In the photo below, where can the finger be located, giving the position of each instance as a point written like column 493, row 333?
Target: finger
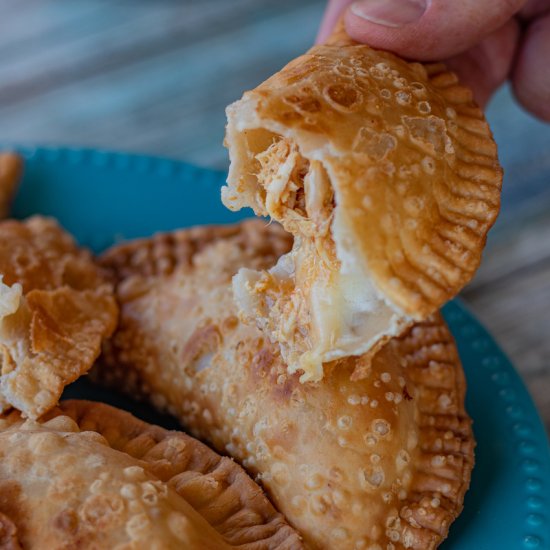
column 531, row 77
column 334, row 9
column 427, row 29
column 487, row 65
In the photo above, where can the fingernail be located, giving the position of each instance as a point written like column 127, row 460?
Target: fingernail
column 390, row 13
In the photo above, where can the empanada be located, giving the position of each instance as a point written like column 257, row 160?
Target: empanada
column 91, row 476
column 382, row 462
column 386, row 173
column 11, row 168
column 56, row 307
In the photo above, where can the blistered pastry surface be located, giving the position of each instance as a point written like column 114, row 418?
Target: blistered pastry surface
column 118, row 480
column 383, row 460
column 410, row 156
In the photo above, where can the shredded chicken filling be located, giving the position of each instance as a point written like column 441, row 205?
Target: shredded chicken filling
column 297, row 191
column 319, row 305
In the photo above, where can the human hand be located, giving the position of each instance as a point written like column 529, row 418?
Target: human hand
column 486, row 42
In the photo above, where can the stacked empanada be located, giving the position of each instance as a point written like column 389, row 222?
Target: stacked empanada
column 91, row 476
column 380, row 460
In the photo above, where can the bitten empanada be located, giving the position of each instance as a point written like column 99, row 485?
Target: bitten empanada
column 11, row 168
column 113, row 481
column 56, row 307
column 381, row 462
column 386, row 173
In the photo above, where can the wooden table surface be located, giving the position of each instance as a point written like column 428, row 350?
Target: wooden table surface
column 154, row 77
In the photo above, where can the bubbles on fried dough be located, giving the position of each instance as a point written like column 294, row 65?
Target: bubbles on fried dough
column 414, row 205
column 399, row 82
column 402, row 460
column 403, row 98
column 344, row 422
column 428, row 165
column 280, row 473
column 314, row 481
column 418, row 89
column 354, row 399
column 371, row 478
column 424, row 107
column 381, row 427
column 373, row 143
column 343, row 97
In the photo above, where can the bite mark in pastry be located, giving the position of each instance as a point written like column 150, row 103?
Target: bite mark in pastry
column 56, row 307
column 112, row 481
column 384, row 460
column 11, row 168
column 387, row 175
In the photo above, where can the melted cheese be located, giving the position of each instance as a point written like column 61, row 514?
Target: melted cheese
column 278, row 163
column 316, row 313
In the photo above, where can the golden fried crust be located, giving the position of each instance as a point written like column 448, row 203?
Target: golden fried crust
column 216, row 487
column 96, row 496
column 383, row 460
column 56, row 307
column 410, row 157
column 11, row 168
column 161, row 254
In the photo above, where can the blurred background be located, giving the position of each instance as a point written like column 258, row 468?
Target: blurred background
column 155, row 77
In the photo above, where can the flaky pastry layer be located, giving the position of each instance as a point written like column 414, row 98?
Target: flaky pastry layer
column 113, row 481
column 384, row 460
column 386, row 173
column 56, row 307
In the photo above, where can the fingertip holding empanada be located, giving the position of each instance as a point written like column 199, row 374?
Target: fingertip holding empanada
column 113, row 481
column 56, row 308
column 386, row 173
column 11, row 169
column 380, row 461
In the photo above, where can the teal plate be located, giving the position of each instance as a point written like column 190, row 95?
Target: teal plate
column 105, row 197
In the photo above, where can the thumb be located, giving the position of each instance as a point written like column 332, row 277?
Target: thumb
column 426, row 30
